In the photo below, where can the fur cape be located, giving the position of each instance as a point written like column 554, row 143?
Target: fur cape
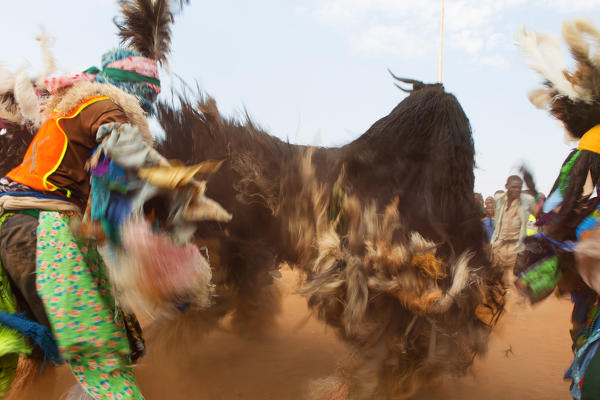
column 69, row 98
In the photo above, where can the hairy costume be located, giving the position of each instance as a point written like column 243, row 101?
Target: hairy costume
column 76, row 278
column 565, row 254
column 384, row 232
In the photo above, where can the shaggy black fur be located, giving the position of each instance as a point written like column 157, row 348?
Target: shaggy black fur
column 421, row 153
column 578, row 116
column 13, row 145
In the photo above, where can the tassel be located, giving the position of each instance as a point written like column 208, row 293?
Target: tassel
column 40, row 335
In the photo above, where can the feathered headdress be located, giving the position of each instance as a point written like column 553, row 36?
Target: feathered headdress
column 146, row 26
column 573, row 97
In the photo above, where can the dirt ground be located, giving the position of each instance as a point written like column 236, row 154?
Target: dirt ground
column 527, row 357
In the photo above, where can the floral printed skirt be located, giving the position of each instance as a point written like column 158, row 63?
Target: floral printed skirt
column 89, row 330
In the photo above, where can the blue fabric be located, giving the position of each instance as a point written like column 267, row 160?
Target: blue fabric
column 99, row 197
column 566, row 245
column 143, row 92
column 488, row 226
column 35, row 194
column 553, row 201
column 119, row 209
column 109, row 202
column 8, row 185
column 34, row 331
column 589, row 223
column 117, row 178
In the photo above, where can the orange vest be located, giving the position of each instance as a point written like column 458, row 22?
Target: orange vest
column 46, row 153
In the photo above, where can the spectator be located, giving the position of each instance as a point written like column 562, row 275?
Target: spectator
column 512, row 214
column 479, row 200
column 489, row 221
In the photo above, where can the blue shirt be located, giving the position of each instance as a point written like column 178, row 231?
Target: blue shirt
column 488, row 226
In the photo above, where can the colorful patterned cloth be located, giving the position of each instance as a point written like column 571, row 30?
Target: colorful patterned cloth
column 588, row 224
column 8, row 185
column 91, row 334
column 578, row 371
column 123, row 68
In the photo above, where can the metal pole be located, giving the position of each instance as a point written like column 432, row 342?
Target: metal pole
column 441, row 43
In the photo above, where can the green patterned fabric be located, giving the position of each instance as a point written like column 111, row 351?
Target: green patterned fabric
column 12, row 342
column 565, row 172
column 540, row 280
column 89, row 330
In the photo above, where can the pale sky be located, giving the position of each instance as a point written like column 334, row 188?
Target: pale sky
column 315, row 71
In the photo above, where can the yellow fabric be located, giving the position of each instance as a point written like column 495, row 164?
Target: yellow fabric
column 198, row 207
column 591, row 140
column 531, row 228
column 201, row 208
column 177, row 176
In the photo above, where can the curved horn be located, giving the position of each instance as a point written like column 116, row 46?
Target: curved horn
column 416, row 84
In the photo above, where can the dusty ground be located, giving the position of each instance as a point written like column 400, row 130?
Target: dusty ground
column 526, row 360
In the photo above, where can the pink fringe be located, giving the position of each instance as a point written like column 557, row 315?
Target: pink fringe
column 159, row 270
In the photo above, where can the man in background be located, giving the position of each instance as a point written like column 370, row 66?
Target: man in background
column 512, row 214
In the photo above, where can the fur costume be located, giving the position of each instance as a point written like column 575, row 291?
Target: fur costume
column 384, row 231
column 565, row 253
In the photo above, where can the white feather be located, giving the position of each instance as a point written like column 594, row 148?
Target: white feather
column 7, row 79
column 546, row 58
column 26, row 97
column 540, row 98
column 48, row 61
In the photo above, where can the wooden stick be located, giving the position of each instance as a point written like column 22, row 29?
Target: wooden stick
column 441, row 43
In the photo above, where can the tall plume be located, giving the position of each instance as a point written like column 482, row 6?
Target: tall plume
column 578, row 84
column 146, row 26
column 547, row 59
column 48, row 60
column 26, row 98
column 587, row 72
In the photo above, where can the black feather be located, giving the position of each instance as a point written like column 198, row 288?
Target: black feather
column 146, row 26
column 528, row 179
